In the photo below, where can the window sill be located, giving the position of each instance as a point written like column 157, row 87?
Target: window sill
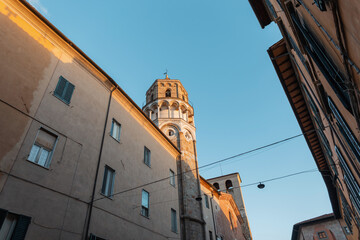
column 108, row 197
column 115, row 138
column 36, row 164
column 147, row 217
column 149, row 166
column 61, row 99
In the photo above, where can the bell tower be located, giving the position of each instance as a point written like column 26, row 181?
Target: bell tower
column 167, row 105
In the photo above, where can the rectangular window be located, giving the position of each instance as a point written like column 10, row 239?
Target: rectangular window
column 13, row 226
column 42, row 150
column 115, row 130
column 108, row 182
column 64, row 90
column 271, row 9
column 147, row 156
column 172, row 178
column 210, row 235
column 346, row 213
column 345, row 130
column 173, row 221
column 323, row 61
column 352, row 185
column 206, row 201
column 145, row 203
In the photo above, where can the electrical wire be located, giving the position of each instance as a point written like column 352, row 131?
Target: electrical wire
column 211, row 164
column 246, row 185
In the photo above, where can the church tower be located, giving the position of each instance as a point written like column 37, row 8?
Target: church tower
column 167, row 105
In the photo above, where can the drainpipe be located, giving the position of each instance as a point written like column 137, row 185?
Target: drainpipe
column 97, row 168
column 212, row 213
column 198, row 184
column 181, row 191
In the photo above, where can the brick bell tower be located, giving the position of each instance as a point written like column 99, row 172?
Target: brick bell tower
column 167, row 105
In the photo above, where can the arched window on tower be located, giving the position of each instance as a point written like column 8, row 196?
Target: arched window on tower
column 152, row 97
column 168, row 93
column 229, row 185
column 216, row 185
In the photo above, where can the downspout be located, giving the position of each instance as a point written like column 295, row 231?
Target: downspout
column 198, row 185
column 181, row 191
column 97, row 168
column 212, row 213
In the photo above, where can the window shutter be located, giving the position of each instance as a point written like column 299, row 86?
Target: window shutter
column 60, row 87
column 21, row 228
column 69, row 91
column 3, row 214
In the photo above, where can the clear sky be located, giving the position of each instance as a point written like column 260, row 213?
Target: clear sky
column 218, row 51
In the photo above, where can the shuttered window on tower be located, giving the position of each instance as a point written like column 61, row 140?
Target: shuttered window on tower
column 64, row 90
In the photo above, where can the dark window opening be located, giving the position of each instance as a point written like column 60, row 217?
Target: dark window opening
column 168, row 93
column 322, row 235
column 229, row 185
column 216, row 185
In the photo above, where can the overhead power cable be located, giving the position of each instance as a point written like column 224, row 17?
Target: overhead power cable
column 242, row 186
column 213, row 163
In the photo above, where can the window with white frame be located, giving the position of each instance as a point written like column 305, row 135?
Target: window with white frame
column 13, row 226
column 172, row 178
column 173, row 221
column 147, row 156
column 115, row 130
column 43, row 148
column 145, row 203
column 108, row 182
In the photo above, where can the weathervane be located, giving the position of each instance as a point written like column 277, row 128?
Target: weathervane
column 166, row 74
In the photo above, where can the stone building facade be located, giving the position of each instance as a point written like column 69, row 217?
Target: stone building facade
column 221, row 214
column 167, row 104
column 230, row 184
column 318, row 64
column 322, row 227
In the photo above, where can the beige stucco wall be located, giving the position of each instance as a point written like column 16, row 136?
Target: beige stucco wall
column 32, row 59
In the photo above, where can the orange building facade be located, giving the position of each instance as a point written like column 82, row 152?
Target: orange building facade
column 317, row 62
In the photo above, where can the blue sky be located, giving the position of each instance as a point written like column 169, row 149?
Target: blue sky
column 218, row 51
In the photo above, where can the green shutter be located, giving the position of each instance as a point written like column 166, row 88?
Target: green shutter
column 3, row 214
column 21, row 228
column 68, row 92
column 59, row 91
